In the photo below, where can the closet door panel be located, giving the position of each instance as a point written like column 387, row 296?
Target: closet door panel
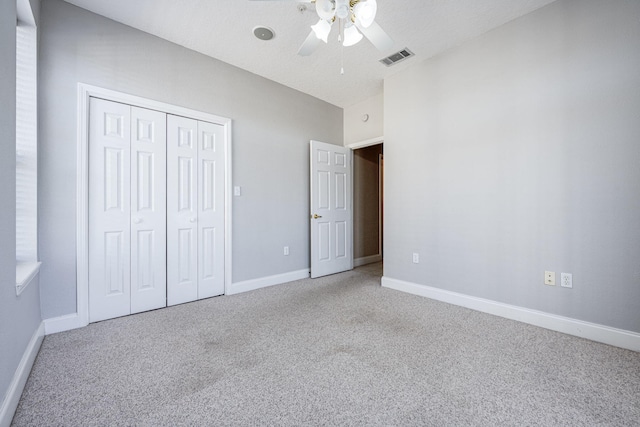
column 182, row 210
column 109, row 209
column 148, row 210
column 211, row 210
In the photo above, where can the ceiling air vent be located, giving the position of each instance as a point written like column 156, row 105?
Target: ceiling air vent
column 397, row 57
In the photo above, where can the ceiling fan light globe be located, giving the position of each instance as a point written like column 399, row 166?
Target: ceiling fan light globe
column 365, row 12
column 351, row 36
column 322, row 30
column 325, row 9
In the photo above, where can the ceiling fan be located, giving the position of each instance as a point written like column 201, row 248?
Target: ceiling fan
column 354, row 18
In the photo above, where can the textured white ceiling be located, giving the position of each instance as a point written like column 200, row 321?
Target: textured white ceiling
column 223, row 29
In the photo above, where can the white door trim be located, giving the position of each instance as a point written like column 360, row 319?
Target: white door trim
column 82, row 179
column 366, row 143
column 380, row 202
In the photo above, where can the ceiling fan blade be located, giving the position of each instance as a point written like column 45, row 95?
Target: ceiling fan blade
column 376, row 36
column 310, row 45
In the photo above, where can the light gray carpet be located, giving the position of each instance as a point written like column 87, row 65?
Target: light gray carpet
column 340, row 350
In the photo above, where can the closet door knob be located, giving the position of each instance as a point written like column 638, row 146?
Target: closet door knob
column 192, row 220
column 137, row 220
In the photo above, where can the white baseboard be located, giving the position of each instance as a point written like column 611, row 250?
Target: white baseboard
column 592, row 331
column 73, row 321
column 357, row 262
column 19, row 380
column 263, row 282
column 63, row 323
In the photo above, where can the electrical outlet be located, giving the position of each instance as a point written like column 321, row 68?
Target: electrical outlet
column 550, row 278
column 286, row 250
column 416, row 258
column 566, row 280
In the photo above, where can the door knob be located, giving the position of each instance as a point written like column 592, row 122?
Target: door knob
column 316, row 216
column 192, row 220
column 137, row 220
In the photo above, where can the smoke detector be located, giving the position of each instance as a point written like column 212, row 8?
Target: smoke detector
column 264, row 33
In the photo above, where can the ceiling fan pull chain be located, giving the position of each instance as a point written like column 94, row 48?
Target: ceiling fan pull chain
column 341, row 59
column 340, row 39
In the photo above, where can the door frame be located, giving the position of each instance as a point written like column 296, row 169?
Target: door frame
column 367, row 143
column 85, row 92
column 380, row 202
column 363, row 144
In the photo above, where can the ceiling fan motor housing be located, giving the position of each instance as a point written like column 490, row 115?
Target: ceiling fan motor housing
column 342, row 9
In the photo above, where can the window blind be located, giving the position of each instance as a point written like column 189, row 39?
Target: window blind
column 26, row 144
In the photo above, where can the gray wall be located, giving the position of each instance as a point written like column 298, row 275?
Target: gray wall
column 19, row 316
column 356, row 130
column 519, row 152
column 366, row 213
column 271, row 131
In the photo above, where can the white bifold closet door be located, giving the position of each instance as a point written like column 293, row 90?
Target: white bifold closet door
column 195, row 209
column 127, row 209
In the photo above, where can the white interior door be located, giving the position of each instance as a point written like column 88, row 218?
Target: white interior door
column 155, row 209
column 148, row 210
column 127, row 210
column 195, row 209
column 210, row 210
column 109, row 210
column 331, row 209
column 182, row 210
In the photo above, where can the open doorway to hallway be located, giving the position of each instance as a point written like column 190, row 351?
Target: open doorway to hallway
column 368, row 198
